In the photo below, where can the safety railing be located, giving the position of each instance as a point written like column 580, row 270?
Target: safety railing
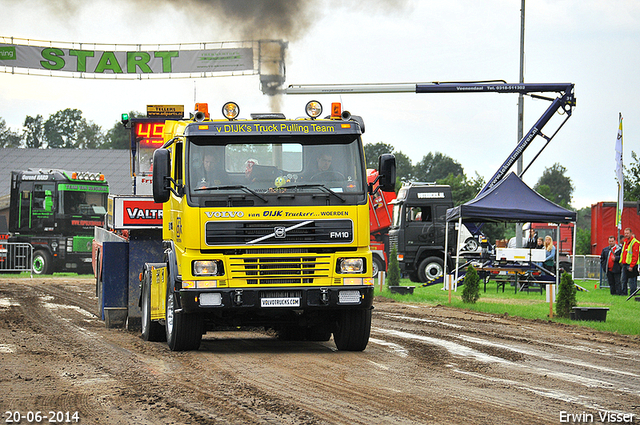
column 16, row 257
column 587, row 267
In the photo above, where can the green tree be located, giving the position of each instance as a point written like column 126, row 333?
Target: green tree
column 90, row 136
column 393, row 269
column 33, row 131
column 583, row 242
column 632, row 179
column 62, row 129
column 119, row 137
column 372, row 152
column 566, row 296
column 404, row 168
column 433, row 167
column 462, row 189
column 8, row 137
column 471, row 290
column 560, row 187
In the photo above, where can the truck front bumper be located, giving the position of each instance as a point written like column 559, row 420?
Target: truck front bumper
column 270, row 299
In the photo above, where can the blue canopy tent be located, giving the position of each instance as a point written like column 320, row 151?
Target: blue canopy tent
column 510, row 201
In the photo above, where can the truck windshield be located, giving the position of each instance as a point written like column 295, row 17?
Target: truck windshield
column 83, row 203
column 272, row 166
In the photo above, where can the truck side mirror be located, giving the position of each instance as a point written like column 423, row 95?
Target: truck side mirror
column 387, row 172
column 161, row 175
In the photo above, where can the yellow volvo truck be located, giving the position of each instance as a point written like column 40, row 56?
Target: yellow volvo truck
column 265, row 224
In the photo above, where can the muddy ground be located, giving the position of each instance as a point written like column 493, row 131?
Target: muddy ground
column 422, row 365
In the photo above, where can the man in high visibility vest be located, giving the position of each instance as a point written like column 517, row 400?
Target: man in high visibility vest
column 629, row 263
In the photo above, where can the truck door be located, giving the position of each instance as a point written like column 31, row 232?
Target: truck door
column 42, row 210
column 419, row 225
column 24, row 206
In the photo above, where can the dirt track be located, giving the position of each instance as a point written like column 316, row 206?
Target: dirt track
column 422, row 365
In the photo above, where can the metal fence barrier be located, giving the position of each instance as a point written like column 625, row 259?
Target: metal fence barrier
column 587, row 267
column 16, row 257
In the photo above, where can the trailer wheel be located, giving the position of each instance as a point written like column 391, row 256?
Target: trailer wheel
column 470, row 245
column 183, row 331
column 376, row 266
column 353, row 329
column 151, row 331
column 41, row 262
column 431, row 268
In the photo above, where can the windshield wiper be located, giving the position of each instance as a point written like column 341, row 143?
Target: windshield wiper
column 321, row 186
column 235, row 186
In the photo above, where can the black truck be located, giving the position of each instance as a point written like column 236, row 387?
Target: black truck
column 418, row 230
column 56, row 211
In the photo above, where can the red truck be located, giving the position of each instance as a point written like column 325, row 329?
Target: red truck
column 603, row 223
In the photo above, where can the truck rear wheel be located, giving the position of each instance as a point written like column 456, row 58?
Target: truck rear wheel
column 41, row 262
column 353, row 329
column 184, row 331
column 151, row 331
column 431, row 268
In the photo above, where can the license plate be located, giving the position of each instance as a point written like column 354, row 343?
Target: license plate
column 280, row 302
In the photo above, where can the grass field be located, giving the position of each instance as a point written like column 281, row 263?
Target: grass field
column 623, row 316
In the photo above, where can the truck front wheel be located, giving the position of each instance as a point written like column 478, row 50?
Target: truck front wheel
column 431, row 268
column 377, row 266
column 41, row 263
column 184, row 331
column 353, row 329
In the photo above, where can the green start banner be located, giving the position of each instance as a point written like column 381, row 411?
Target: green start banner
column 118, row 62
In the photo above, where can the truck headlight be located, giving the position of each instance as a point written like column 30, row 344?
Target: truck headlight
column 207, row 268
column 351, row 265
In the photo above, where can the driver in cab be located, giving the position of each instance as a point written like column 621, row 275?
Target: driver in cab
column 321, row 168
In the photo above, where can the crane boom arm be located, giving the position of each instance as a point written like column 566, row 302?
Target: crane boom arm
column 564, row 102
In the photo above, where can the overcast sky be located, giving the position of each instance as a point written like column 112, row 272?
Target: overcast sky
column 592, row 43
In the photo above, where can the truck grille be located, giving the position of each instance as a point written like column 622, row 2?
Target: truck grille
column 393, row 241
column 278, row 232
column 279, row 271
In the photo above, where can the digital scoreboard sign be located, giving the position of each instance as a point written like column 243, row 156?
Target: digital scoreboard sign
column 148, row 134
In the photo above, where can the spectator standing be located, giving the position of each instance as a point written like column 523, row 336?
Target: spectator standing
column 629, row 263
column 610, row 264
column 550, row 260
column 532, row 242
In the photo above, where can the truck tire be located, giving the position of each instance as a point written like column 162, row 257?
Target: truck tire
column 183, row 331
column 41, row 264
column 376, row 266
column 151, row 331
column 353, row 329
column 431, row 268
column 470, row 245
